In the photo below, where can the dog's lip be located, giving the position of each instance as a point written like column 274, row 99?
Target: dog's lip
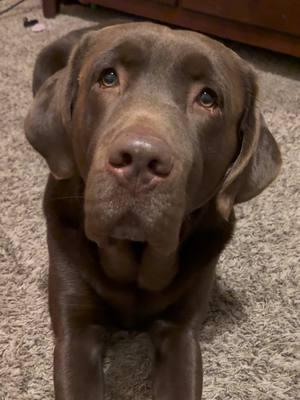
column 128, row 227
column 127, row 232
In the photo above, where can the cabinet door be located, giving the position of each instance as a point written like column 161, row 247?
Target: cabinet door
column 279, row 15
column 169, row 2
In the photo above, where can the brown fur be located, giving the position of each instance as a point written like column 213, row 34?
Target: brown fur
column 160, row 281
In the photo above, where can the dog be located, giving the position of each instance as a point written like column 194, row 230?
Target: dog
column 151, row 135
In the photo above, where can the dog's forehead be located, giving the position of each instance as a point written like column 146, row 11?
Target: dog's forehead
column 154, row 39
column 167, row 53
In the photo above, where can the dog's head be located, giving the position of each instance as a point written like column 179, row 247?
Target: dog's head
column 157, row 122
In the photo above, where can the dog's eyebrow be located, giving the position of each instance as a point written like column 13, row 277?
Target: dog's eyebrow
column 128, row 53
column 197, row 65
column 131, row 51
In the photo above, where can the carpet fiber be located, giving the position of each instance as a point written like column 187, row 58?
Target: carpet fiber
column 249, row 340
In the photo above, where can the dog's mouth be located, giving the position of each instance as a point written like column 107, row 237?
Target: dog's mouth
column 129, row 228
column 136, row 263
column 128, row 233
column 135, row 248
column 128, row 255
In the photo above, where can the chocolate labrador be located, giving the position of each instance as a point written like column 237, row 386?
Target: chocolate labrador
column 151, row 136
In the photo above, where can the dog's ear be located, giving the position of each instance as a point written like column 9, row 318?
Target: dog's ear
column 48, row 123
column 258, row 161
column 46, row 131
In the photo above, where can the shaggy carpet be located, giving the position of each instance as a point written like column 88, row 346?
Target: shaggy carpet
column 250, row 337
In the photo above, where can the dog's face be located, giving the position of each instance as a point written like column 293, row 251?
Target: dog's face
column 157, row 122
column 155, row 128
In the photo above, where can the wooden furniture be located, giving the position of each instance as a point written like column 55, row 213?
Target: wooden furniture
column 272, row 24
column 50, row 8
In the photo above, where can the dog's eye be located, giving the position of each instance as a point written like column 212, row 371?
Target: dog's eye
column 109, row 78
column 207, row 98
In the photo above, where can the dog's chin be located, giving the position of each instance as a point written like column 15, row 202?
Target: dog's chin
column 129, row 233
column 127, row 228
column 131, row 229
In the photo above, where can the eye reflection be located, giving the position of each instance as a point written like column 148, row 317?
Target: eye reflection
column 207, row 98
column 109, row 78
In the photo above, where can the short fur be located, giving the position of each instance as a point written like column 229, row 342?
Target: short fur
column 161, row 281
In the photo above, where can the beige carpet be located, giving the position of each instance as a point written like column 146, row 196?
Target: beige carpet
column 249, row 341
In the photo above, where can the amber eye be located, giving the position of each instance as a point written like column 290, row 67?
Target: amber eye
column 109, row 78
column 207, row 98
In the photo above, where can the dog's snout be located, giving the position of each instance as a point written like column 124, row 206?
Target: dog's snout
column 139, row 162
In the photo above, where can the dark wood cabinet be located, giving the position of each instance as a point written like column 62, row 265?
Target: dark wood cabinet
column 278, row 15
column 272, row 24
column 169, row 2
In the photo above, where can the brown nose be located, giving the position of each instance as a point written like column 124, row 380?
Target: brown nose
column 140, row 162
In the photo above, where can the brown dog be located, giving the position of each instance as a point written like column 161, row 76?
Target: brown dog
column 151, row 136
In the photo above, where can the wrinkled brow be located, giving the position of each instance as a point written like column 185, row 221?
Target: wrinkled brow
column 197, row 66
column 129, row 54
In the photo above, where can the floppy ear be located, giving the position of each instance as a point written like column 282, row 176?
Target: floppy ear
column 258, row 161
column 46, row 132
column 48, row 123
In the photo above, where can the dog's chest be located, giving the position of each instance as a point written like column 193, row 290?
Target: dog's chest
column 134, row 308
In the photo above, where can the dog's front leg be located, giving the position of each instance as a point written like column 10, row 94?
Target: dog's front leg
column 78, row 373
column 77, row 315
column 177, row 373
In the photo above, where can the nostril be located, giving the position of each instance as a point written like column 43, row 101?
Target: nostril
column 120, row 159
column 159, row 168
column 126, row 159
column 153, row 166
